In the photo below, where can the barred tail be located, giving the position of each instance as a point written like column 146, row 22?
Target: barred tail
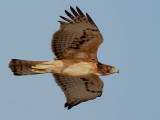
column 23, row 67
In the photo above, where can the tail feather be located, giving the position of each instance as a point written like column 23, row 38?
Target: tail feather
column 23, row 67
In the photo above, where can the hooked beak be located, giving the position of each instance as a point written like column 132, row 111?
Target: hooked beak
column 114, row 70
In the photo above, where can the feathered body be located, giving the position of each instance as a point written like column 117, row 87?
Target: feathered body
column 70, row 67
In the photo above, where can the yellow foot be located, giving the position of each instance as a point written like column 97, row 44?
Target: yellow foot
column 38, row 69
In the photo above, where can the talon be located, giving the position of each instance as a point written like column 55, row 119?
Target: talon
column 38, row 71
column 36, row 67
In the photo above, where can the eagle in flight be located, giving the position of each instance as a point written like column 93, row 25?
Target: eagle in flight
column 75, row 67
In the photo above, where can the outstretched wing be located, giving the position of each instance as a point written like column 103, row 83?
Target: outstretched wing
column 79, row 89
column 77, row 38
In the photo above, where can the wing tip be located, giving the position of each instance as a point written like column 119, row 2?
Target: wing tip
column 71, row 7
column 69, row 106
column 77, row 16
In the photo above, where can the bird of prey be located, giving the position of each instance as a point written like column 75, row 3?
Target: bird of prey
column 75, row 67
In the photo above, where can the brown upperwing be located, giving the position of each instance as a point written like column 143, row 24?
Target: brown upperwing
column 77, row 38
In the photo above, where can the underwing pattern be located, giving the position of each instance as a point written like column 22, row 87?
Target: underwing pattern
column 79, row 89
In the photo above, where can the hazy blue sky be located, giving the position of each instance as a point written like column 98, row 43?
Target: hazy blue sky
column 131, row 31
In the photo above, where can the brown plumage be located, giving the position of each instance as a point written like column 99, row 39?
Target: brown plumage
column 76, row 68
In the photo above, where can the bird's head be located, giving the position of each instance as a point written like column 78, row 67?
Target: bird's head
column 106, row 69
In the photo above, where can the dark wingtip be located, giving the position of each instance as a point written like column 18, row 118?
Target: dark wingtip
column 66, row 104
column 66, row 12
column 75, row 13
column 61, row 17
column 80, row 12
column 90, row 19
column 69, row 106
column 77, row 7
column 66, row 19
column 71, row 7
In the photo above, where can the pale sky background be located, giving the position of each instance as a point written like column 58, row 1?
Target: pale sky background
column 131, row 31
